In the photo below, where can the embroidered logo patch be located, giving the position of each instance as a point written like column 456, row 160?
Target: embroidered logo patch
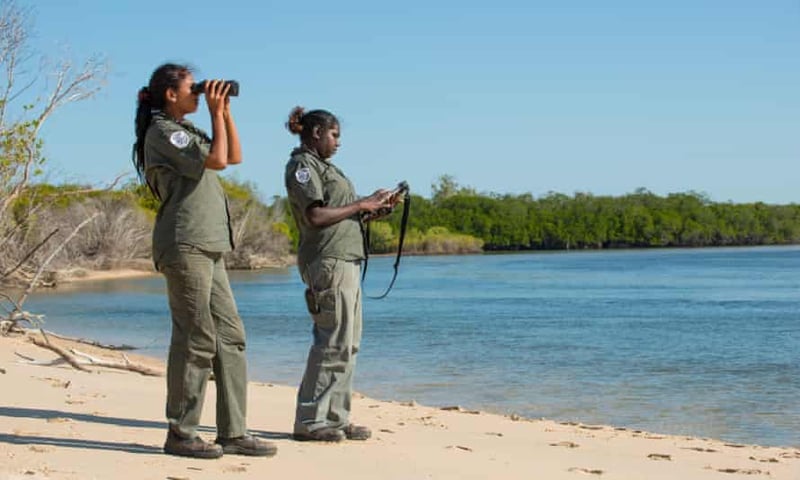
column 303, row 175
column 180, row 139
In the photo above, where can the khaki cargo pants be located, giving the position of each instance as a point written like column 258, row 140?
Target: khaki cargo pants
column 207, row 335
column 334, row 301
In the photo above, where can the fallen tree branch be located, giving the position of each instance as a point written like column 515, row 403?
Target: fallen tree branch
column 79, row 359
column 39, row 363
column 128, row 365
column 30, row 359
column 60, row 351
column 93, row 343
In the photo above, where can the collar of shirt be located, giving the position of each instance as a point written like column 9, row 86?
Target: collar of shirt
column 304, row 149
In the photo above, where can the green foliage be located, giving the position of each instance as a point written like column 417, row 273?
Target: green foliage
column 381, row 237
column 281, row 209
column 238, row 190
column 144, row 198
column 384, row 238
column 585, row 221
column 53, row 196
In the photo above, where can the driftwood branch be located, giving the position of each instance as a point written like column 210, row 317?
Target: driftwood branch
column 25, row 357
column 60, row 351
column 79, row 360
column 40, row 363
column 93, row 343
column 127, row 365
column 16, row 315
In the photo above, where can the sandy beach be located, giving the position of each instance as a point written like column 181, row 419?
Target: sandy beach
column 60, row 423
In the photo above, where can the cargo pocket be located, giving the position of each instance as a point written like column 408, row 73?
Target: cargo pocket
column 322, row 306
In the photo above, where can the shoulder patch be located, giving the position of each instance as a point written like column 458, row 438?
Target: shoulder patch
column 303, row 175
column 180, row 139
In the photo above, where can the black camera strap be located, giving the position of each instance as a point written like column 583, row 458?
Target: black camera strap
column 365, row 236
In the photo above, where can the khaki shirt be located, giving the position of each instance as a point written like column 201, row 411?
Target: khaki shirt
column 194, row 209
column 310, row 180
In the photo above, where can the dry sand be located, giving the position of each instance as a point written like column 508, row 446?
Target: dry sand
column 60, row 423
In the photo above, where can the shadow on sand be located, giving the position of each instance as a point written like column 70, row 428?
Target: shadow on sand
column 23, row 412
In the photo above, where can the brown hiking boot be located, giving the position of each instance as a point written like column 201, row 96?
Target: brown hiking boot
column 190, row 447
column 357, row 432
column 247, row 445
column 324, row 434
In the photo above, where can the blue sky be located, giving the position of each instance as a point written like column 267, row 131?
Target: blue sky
column 506, row 96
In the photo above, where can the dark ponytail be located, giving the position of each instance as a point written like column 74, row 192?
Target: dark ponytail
column 302, row 123
column 152, row 98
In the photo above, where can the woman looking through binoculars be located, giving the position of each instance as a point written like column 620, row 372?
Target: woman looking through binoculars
column 178, row 162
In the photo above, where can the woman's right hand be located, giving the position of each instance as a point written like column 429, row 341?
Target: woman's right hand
column 216, row 92
column 378, row 199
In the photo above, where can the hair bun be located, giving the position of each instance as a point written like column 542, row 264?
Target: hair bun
column 295, row 122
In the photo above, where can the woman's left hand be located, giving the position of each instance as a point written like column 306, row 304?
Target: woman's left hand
column 217, row 97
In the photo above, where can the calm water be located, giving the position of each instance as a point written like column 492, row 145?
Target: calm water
column 697, row 342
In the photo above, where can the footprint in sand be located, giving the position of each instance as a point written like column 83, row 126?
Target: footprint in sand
column 460, row 447
column 765, row 460
column 58, row 420
column 701, row 449
column 567, row 444
column 743, row 471
column 55, row 382
column 592, row 427
column 458, row 408
column 659, row 456
column 587, row 471
column 234, row 469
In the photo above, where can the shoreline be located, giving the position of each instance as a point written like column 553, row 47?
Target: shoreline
column 60, row 423
column 144, row 268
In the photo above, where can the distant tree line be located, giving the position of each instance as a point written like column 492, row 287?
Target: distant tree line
column 585, row 221
column 453, row 220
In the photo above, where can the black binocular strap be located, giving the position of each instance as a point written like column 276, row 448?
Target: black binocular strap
column 365, row 236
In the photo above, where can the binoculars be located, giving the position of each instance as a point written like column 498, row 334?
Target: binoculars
column 200, row 87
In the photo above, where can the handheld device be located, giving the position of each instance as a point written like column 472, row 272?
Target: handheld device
column 401, row 189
